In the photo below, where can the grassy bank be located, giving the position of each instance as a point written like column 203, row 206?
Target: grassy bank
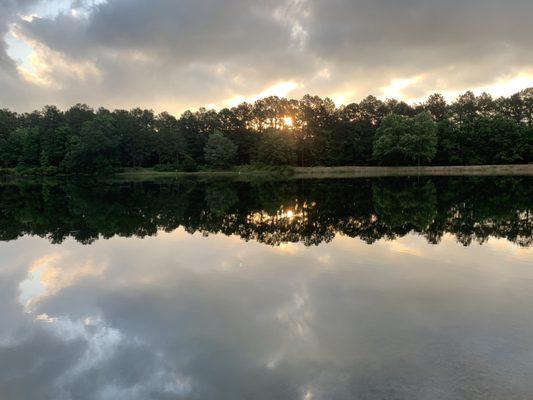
column 351, row 172
column 266, row 172
column 246, row 170
column 339, row 172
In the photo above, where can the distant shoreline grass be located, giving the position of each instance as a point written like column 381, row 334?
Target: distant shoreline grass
column 339, row 172
column 467, row 170
column 288, row 172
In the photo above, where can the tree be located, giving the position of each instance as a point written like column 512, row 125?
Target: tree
column 136, row 129
column 235, row 123
column 77, row 115
column 169, row 141
column 504, row 140
column 311, row 131
column 95, row 149
column 11, row 148
column 448, row 151
column 401, row 139
column 54, row 146
column 485, row 105
column 219, row 151
column 359, row 134
column 8, row 122
column 527, row 105
column 195, row 128
column 30, row 139
column 276, row 148
column 388, row 145
column 464, row 109
column 316, row 117
column 437, row 106
column 421, row 143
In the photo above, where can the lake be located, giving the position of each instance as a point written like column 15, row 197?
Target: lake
column 383, row 288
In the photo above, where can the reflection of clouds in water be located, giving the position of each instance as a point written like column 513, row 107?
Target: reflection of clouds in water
column 174, row 316
column 296, row 316
column 514, row 252
column 402, row 248
column 51, row 273
column 101, row 345
column 295, row 320
column 101, row 341
column 289, row 248
column 99, row 348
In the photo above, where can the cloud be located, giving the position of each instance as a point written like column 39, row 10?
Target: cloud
column 174, row 55
column 9, row 80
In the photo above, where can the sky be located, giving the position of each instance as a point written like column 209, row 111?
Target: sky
column 174, row 55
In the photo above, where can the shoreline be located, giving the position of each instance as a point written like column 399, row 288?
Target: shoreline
column 344, row 172
column 459, row 170
column 287, row 173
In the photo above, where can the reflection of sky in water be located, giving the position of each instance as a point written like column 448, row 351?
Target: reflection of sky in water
column 182, row 316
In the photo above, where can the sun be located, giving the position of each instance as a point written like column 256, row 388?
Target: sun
column 287, row 121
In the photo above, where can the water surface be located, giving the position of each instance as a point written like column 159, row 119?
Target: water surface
column 412, row 288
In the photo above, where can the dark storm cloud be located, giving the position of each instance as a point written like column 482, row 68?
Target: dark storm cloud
column 194, row 52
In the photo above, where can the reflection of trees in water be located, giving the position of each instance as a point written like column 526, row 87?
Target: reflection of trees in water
column 483, row 208
column 406, row 206
column 311, row 212
column 220, row 197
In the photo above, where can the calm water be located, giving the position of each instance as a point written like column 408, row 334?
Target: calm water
column 340, row 289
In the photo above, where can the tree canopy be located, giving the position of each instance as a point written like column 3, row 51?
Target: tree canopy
column 307, row 132
column 219, row 151
column 406, row 140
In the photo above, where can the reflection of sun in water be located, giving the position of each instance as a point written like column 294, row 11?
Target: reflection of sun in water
column 288, row 121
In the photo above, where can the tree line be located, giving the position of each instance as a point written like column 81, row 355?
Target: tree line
column 312, row 131
column 472, row 209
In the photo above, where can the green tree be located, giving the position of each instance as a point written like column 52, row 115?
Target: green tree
column 8, row 122
column 388, row 147
column 30, row 138
column 401, row 139
column 463, row 110
column 77, row 115
column 95, row 149
column 436, row 105
column 276, row 148
column 11, row 148
column 501, row 139
column 169, row 143
column 421, row 143
column 136, row 129
column 219, row 151
column 54, row 146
